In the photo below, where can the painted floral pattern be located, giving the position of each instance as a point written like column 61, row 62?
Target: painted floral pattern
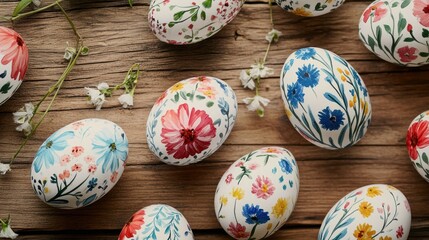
column 191, row 120
column 310, row 8
column 178, row 22
column 325, row 98
column 257, row 194
column 79, row 163
column 13, row 62
column 417, row 141
column 157, row 222
column 397, row 31
column 372, row 212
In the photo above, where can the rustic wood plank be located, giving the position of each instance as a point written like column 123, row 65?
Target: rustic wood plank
column 119, row 36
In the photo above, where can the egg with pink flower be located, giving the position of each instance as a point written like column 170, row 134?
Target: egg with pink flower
column 397, row 31
column 418, row 144
column 79, row 163
column 191, row 120
column 257, row 194
column 13, row 62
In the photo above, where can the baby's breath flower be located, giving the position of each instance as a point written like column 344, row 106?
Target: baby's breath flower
column 23, row 117
column 260, row 71
column 273, row 35
column 96, row 98
column 69, row 53
column 246, row 80
column 4, row 168
column 102, row 86
column 37, row 3
column 126, row 100
column 6, row 230
column 257, row 103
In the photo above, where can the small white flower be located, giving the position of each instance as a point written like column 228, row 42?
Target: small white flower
column 4, row 168
column 69, row 53
column 37, row 3
column 257, row 103
column 126, row 100
column 273, row 35
column 260, row 71
column 26, row 127
column 246, row 80
column 103, row 86
column 6, row 231
column 24, row 114
column 96, row 98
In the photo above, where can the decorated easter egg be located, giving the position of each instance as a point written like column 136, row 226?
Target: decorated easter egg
column 80, row 163
column 157, row 221
column 397, row 31
column 191, row 120
column 257, row 194
column 310, row 8
column 325, row 98
column 418, row 144
column 372, row 212
column 185, row 22
column 13, row 62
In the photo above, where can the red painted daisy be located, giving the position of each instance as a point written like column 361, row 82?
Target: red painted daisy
column 135, row 223
column 407, row 54
column 238, row 231
column 14, row 49
column 186, row 132
column 417, row 137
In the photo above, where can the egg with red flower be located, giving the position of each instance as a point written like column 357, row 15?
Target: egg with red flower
column 191, row 120
column 13, row 62
column 397, row 31
column 418, row 144
column 158, row 221
column 184, row 22
column 80, row 163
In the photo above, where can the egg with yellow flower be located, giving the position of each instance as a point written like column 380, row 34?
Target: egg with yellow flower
column 376, row 211
column 257, row 194
column 191, row 120
column 325, row 98
column 310, row 8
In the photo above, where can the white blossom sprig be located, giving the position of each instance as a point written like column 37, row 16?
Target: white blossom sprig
column 30, row 117
column 250, row 78
column 6, row 231
column 97, row 96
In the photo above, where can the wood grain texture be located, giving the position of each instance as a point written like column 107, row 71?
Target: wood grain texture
column 119, row 36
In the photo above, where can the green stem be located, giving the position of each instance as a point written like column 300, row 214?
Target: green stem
column 22, row 15
column 271, row 13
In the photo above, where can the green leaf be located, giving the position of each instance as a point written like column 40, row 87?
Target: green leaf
column 187, row 37
column 402, row 23
column 405, row 3
column 425, row 158
column 5, row 88
column 378, row 32
column 210, row 104
column 194, row 18
column 176, row 97
column 171, row 24
column 131, row 2
column 200, row 97
column 178, row 15
column 3, row 75
column 307, row 5
column 21, row 6
column 395, row 4
column 207, row 3
column 371, row 43
column 408, row 39
column 387, row 28
column 203, row 15
column 425, row 33
column 424, row 54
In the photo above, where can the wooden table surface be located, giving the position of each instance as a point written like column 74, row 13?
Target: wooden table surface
column 119, row 36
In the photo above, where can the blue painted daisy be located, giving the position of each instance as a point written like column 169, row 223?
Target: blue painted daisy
column 112, row 146
column 308, row 75
column 305, row 53
column 331, row 120
column 254, row 214
column 295, row 94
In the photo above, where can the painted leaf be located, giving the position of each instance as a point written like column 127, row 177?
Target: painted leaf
column 5, row 88
column 3, row 75
column 402, row 23
column 405, row 3
column 207, row 3
column 371, row 43
column 425, row 158
column 425, row 33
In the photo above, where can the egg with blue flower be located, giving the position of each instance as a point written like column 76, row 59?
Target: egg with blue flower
column 310, row 8
column 158, row 221
column 257, row 194
column 79, row 163
column 191, row 120
column 325, row 99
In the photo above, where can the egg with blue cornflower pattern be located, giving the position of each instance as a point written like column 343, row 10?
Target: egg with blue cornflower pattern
column 325, row 99
column 79, row 163
column 257, row 194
